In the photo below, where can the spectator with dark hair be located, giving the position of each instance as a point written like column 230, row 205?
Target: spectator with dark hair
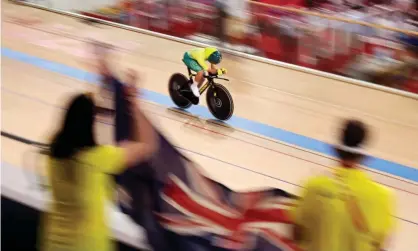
column 79, row 174
column 346, row 210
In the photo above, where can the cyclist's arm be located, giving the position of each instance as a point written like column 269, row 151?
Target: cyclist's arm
column 213, row 69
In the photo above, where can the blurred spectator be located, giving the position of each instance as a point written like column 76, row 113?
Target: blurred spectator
column 404, row 74
column 345, row 210
column 237, row 17
column 222, row 17
column 405, row 5
column 79, row 175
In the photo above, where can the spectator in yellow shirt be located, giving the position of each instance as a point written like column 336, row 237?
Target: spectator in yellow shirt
column 345, row 211
column 78, row 172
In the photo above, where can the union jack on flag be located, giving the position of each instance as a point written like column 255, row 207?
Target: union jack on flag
column 182, row 209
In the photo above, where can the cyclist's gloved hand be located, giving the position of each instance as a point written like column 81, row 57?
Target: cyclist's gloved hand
column 222, row 71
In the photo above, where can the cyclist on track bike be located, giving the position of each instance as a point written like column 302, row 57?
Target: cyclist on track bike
column 195, row 60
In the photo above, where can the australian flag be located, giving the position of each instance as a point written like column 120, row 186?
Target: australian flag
column 182, row 209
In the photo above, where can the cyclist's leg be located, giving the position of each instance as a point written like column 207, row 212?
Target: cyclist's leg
column 194, row 66
column 199, row 78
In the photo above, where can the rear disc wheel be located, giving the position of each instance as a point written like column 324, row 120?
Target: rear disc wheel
column 176, row 83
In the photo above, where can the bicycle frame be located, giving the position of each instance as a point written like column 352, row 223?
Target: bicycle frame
column 208, row 83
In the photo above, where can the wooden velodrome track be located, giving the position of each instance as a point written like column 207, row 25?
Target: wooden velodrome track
column 266, row 98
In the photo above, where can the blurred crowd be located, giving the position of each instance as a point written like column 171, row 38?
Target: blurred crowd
column 325, row 35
